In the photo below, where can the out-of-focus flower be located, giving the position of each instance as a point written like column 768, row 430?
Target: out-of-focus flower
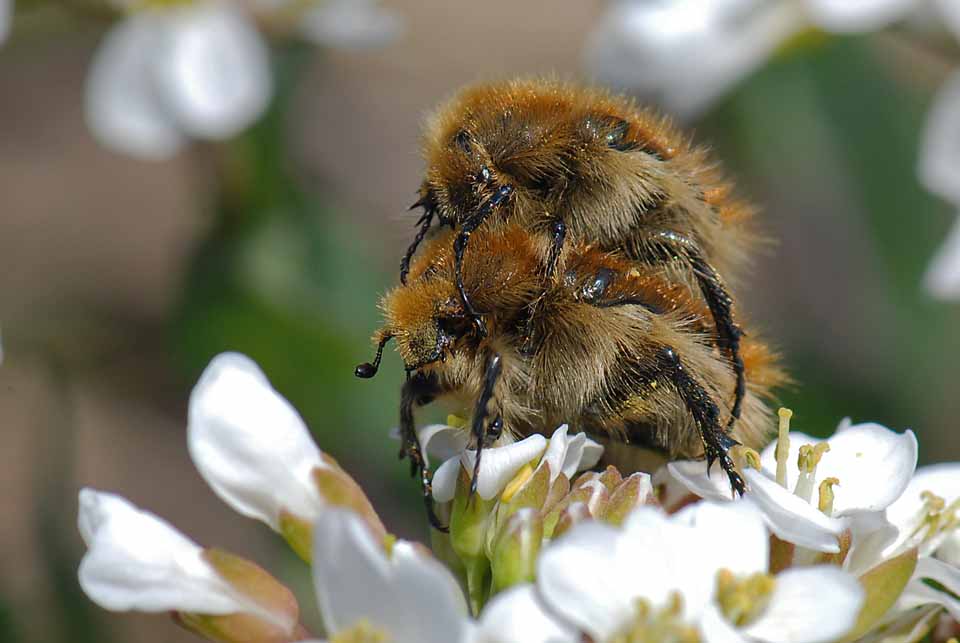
column 256, row 453
column 810, row 491
column 721, row 590
column 136, row 561
column 518, row 616
column 687, row 53
column 6, row 18
column 373, row 592
column 939, row 168
column 846, row 16
column 349, row 24
column 175, row 71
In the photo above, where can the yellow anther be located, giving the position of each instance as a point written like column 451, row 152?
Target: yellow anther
column 826, row 495
column 361, row 632
column 783, row 445
column 665, row 625
column 389, row 540
column 456, row 421
column 520, row 479
column 810, row 455
column 743, row 599
column 933, row 503
column 745, row 457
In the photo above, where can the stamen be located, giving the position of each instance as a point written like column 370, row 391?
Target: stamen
column 744, row 457
column 935, row 519
column 826, row 495
column 658, row 626
column 807, row 462
column 361, row 632
column 742, row 600
column 783, row 445
column 520, row 479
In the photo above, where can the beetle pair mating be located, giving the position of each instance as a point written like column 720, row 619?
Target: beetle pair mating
column 567, row 269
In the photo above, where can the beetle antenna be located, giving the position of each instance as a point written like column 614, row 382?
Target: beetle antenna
column 368, row 370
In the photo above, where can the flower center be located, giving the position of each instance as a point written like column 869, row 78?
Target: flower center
column 935, row 519
column 658, row 626
column 807, row 461
column 361, row 632
column 742, row 600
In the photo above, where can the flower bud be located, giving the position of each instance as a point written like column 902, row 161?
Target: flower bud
column 635, row 490
column 251, row 446
column 136, row 561
column 515, row 552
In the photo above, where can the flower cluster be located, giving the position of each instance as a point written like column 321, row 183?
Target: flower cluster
column 834, row 540
column 688, row 53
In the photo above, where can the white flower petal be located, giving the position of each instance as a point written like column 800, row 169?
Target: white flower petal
column 872, row 540
column 137, row 561
column 568, row 455
column 580, row 577
column 498, row 465
column 809, row 605
column 939, row 162
column 874, row 466
column 517, row 616
column 445, row 480
column 410, row 595
column 249, row 443
column 919, row 593
column 692, row 474
column 942, row 278
column 857, row 15
column 739, row 541
column 214, row 69
column 716, row 629
column 791, row 518
column 122, row 106
column 351, row 24
column 442, row 441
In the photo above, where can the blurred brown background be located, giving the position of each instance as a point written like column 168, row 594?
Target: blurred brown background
column 104, row 327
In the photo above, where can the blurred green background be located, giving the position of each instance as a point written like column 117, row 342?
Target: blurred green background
column 121, row 279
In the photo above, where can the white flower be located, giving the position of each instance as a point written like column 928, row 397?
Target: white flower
column 498, row 465
column 166, row 74
column 942, row 278
column 6, row 17
column 861, row 469
column 250, row 445
column 687, row 53
column 927, row 514
column 137, row 561
column 857, row 15
column 699, row 568
column 350, row 24
column 405, row 595
column 518, row 616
